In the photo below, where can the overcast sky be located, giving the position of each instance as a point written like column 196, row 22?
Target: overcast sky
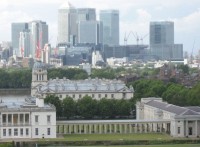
column 135, row 16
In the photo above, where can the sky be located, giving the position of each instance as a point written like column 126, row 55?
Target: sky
column 135, row 16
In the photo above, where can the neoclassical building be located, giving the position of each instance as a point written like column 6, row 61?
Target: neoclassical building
column 96, row 88
column 29, row 119
column 184, row 121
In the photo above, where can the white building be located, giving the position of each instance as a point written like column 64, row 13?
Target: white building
column 184, row 121
column 29, row 119
column 96, row 88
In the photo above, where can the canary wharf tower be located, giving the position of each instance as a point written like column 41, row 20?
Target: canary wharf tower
column 67, row 17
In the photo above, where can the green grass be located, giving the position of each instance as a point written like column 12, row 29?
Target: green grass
column 177, row 145
column 104, row 137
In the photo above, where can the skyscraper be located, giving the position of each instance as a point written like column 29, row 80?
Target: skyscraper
column 67, row 17
column 161, row 32
column 162, row 41
column 90, row 32
column 86, row 14
column 110, row 19
column 15, row 34
column 25, row 43
column 40, row 35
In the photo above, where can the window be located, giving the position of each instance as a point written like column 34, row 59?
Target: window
column 99, row 95
column 4, row 132
column 4, row 118
column 36, row 118
column 15, row 132
column 80, row 96
column 36, row 131
column 26, row 118
column 112, row 95
column 21, row 131
column 48, row 118
column 27, row 131
column 60, row 96
column 21, row 118
column 179, row 130
column 92, row 95
column 106, row 95
column 9, row 118
column 48, row 131
column 73, row 95
column 9, row 132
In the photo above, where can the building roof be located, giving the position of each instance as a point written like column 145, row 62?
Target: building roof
column 167, row 107
column 88, row 85
column 29, row 105
column 38, row 65
column 66, row 5
column 174, row 109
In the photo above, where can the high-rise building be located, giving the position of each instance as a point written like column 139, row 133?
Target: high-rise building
column 25, row 43
column 67, row 18
column 161, row 32
column 90, row 32
column 86, row 14
column 40, row 35
column 162, row 41
column 15, row 34
column 110, row 19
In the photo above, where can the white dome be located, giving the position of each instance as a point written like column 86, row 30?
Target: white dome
column 66, row 5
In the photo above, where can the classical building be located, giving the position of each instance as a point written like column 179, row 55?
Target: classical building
column 29, row 119
column 96, row 88
column 184, row 121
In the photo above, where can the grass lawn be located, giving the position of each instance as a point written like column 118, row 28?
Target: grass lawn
column 177, row 145
column 99, row 137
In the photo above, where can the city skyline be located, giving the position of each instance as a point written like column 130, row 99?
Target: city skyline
column 134, row 16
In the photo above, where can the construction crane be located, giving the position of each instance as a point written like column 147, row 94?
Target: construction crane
column 138, row 39
column 142, row 38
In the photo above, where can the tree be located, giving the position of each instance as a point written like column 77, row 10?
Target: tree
column 54, row 100
column 69, row 107
column 87, row 107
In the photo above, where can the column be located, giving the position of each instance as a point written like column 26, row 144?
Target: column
column 75, row 129
column 90, row 128
column 186, row 128
column 85, row 129
column 196, row 128
column 100, row 128
column 70, row 129
column 145, row 128
column 125, row 128
column 95, row 128
column 115, row 128
column 140, row 128
column 135, row 128
column 130, row 128
column 105, row 128
column 110, row 128
column 120, row 128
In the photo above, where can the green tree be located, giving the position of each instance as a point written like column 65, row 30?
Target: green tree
column 87, row 107
column 54, row 100
column 69, row 107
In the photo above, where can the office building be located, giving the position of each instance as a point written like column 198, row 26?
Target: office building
column 110, row 19
column 162, row 41
column 40, row 35
column 86, row 14
column 25, row 43
column 90, row 32
column 67, row 19
column 16, row 28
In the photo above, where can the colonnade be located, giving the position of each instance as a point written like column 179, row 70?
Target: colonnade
column 64, row 127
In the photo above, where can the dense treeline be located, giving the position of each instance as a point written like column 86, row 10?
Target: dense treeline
column 170, row 92
column 15, row 78
column 69, row 73
column 21, row 78
column 89, row 108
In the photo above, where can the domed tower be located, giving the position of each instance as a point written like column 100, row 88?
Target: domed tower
column 39, row 76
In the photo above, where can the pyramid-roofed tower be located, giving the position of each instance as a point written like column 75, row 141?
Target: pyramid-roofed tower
column 66, row 5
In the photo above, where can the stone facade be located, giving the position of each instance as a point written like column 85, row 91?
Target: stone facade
column 184, row 121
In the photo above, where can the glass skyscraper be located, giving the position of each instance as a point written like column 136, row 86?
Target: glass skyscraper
column 86, row 14
column 15, row 34
column 110, row 19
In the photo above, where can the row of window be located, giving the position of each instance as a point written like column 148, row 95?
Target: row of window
column 20, row 131
column 16, row 132
column 37, row 118
column 99, row 95
column 37, row 131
